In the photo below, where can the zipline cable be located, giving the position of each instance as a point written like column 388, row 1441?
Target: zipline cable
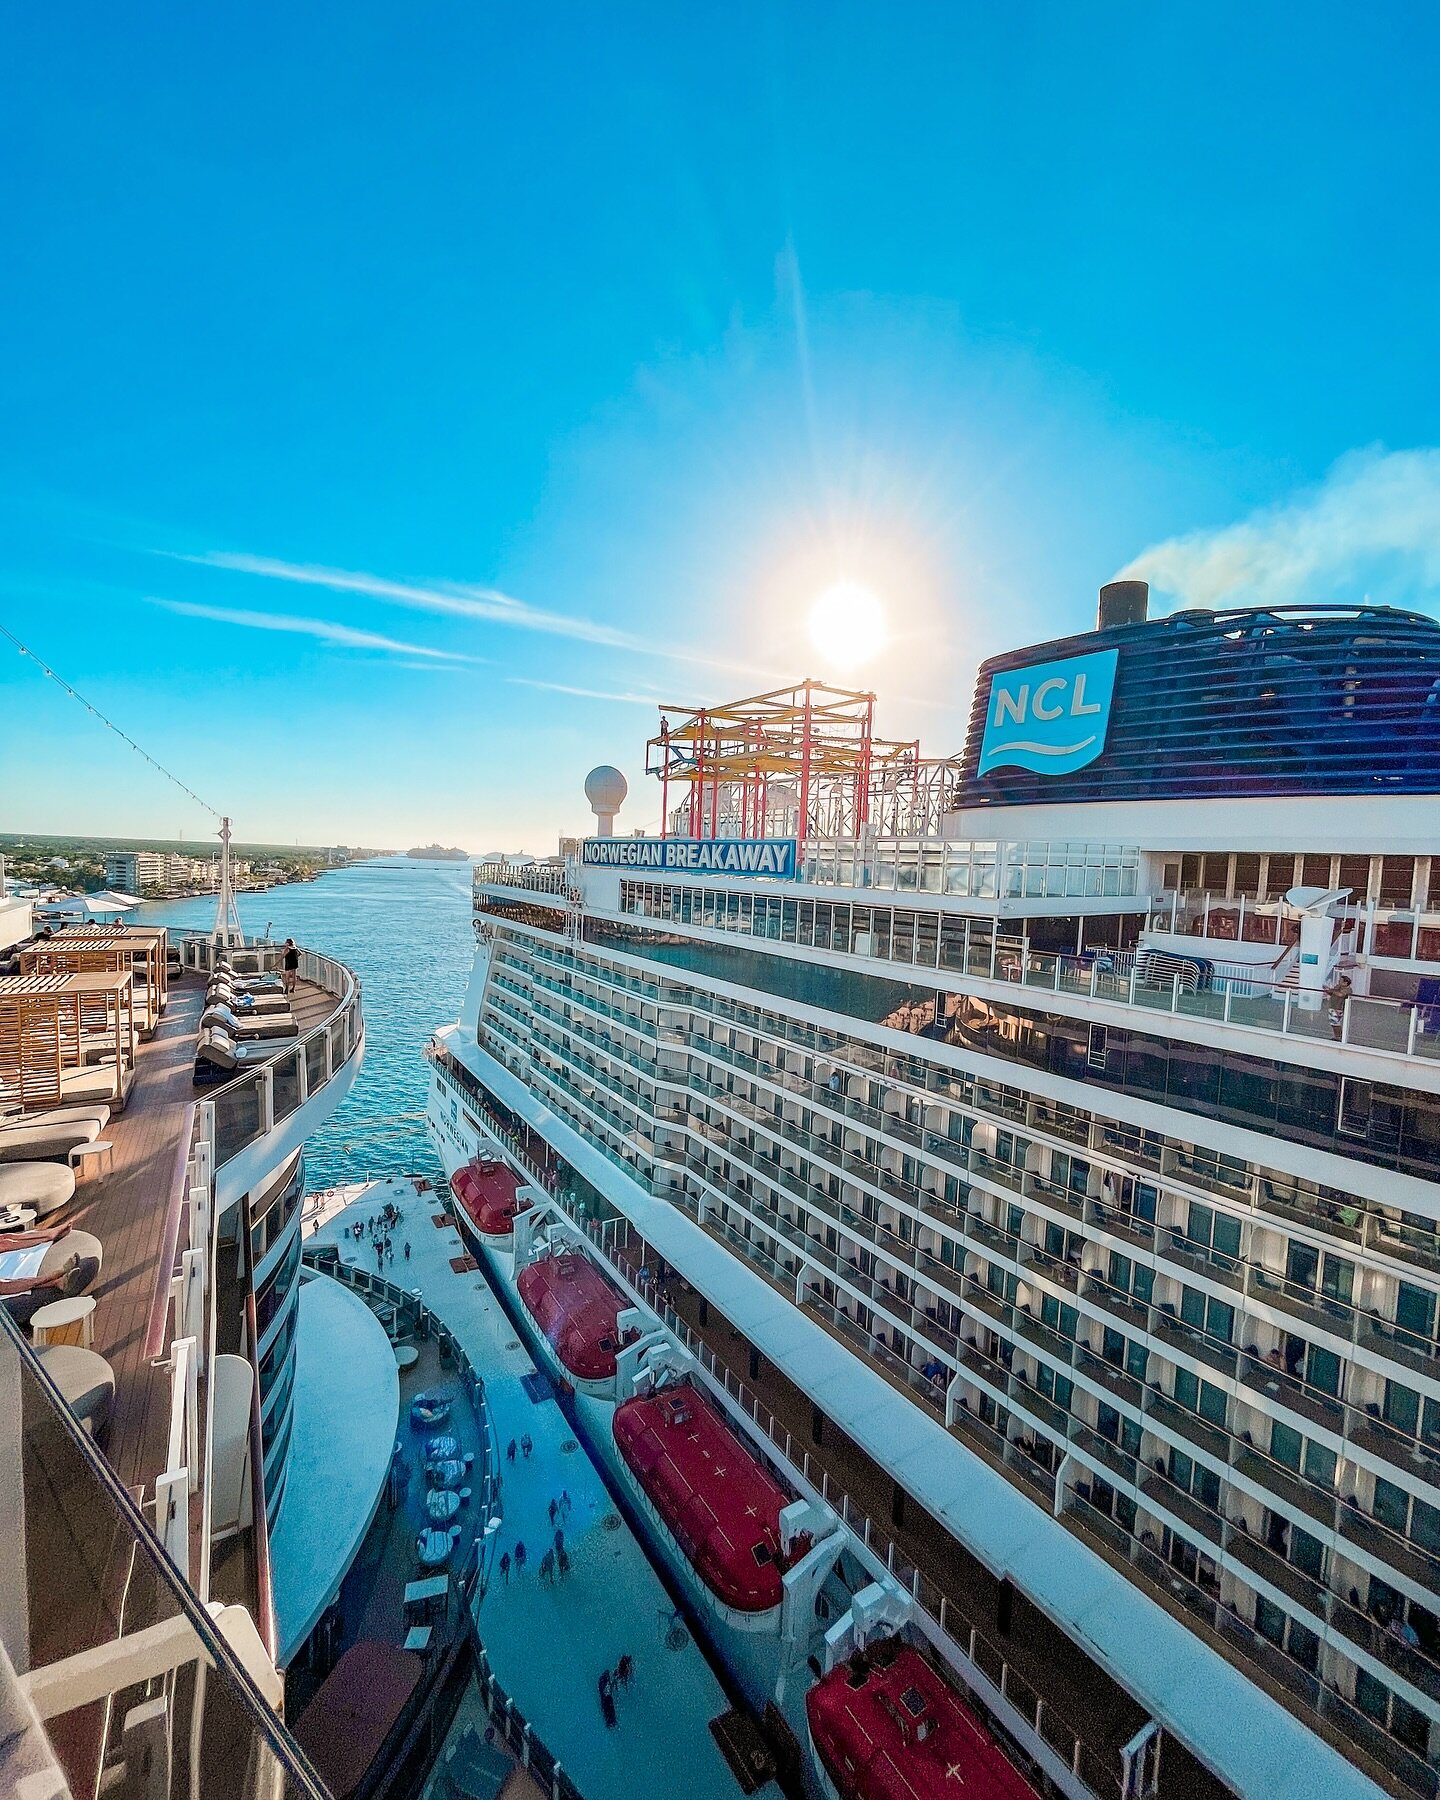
column 109, row 724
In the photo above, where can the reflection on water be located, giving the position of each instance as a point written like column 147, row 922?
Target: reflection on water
column 404, row 928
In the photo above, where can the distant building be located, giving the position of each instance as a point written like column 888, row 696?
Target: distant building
column 135, row 871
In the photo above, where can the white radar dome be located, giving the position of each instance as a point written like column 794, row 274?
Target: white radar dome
column 605, row 789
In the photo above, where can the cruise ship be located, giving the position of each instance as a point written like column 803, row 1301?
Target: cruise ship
column 984, row 1207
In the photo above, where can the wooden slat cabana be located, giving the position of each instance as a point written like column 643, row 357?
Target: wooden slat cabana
column 51, row 1024
column 142, row 951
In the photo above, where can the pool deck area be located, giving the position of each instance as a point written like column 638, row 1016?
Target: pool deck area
column 548, row 1643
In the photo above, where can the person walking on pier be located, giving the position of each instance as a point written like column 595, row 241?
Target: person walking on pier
column 519, row 1559
column 505, row 1567
column 527, row 1444
column 553, row 1509
column 510, row 1451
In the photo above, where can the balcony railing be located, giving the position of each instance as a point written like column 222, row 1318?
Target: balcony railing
column 534, row 878
column 110, row 1639
column 252, row 1103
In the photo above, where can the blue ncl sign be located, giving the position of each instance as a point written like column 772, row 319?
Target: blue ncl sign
column 1051, row 717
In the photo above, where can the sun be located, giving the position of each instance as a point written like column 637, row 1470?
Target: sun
column 847, row 625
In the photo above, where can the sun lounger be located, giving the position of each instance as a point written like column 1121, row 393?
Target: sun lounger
column 218, row 994
column 80, row 1085
column 86, row 1383
column 59, row 1115
column 34, row 1275
column 245, row 1029
column 45, row 1186
column 252, row 983
column 218, row 1055
column 45, row 1143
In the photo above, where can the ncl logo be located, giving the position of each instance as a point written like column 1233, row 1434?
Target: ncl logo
column 1051, row 717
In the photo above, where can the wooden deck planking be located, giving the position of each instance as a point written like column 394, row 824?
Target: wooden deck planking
column 126, row 1209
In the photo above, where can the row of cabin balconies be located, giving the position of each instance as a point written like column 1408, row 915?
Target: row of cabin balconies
column 1084, row 1437
column 1321, row 1214
column 1321, row 1217
column 1315, row 1407
column 1167, row 1506
column 1079, row 1359
column 1226, row 1535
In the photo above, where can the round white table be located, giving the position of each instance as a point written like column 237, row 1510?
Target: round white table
column 64, row 1322
column 17, row 1218
column 406, row 1356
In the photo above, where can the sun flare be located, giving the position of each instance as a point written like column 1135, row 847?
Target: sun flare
column 847, row 625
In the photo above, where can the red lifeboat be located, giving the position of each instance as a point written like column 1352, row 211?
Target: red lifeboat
column 720, row 1504
column 888, row 1726
column 486, row 1189
column 575, row 1308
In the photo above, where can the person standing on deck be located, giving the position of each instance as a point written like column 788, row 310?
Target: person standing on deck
column 291, row 961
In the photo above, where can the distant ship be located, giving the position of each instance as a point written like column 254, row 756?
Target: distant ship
column 438, row 853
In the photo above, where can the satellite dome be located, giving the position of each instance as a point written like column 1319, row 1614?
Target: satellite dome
column 605, row 789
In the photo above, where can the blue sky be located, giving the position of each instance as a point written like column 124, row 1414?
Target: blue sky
column 398, row 403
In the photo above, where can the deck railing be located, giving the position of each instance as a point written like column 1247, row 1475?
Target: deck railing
column 534, row 878
column 257, row 1099
column 121, row 1630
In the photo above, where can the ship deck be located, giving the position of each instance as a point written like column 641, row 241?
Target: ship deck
column 547, row 1642
column 129, row 1208
column 133, row 1207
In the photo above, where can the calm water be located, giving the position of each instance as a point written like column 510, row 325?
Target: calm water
column 404, row 928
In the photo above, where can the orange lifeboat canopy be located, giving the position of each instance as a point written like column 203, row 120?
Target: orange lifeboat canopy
column 575, row 1308
column 487, row 1190
column 720, row 1503
column 888, row 1726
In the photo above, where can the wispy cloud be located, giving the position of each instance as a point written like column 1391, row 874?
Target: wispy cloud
column 324, row 631
column 584, row 693
column 458, row 600
column 1373, row 522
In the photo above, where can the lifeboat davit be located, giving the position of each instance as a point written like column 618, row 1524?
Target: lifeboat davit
column 575, row 1307
column 887, row 1725
column 487, row 1193
column 718, row 1502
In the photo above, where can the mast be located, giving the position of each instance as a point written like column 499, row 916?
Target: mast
column 226, row 931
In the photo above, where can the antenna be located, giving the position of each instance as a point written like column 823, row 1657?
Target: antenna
column 227, row 930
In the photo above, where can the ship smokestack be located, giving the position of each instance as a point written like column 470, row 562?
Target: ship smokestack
column 1123, row 603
